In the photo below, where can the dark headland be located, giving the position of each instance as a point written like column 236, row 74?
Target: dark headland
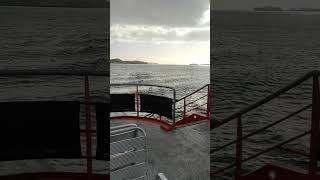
column 119, row 61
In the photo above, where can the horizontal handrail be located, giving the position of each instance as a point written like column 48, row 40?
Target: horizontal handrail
column 276, row 146
column 262, row 129
column 262, row 152
column 139, row 84
column 293, row 151
column 196, row 107
column 152, row 85
column 266, row 99
column 192, row 102
column 53, row 72
column 193, row 92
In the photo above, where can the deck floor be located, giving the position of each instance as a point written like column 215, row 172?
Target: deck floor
column 182, row 154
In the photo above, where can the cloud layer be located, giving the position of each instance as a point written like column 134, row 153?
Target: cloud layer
column 160, row 25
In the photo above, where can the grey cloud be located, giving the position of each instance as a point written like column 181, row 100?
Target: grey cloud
column 156, row 33
column 175, row 13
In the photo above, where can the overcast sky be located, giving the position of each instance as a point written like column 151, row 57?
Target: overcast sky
column 250, row 4
column 161, row 31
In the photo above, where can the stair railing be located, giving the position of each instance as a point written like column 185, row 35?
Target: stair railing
column 315, row 117
column 188, row 102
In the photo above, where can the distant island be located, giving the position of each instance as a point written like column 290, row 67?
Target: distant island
column 194, row 64
column 268, row 8
column 119, row 61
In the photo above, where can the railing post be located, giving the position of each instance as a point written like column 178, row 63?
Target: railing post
column 208, row 102
column 88, row 127
column 238, row 150
column 137, row 100
column 184, row 107
column 314, row 141
column 174, row 109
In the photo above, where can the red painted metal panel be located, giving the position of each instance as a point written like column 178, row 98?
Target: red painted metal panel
column 193, row 118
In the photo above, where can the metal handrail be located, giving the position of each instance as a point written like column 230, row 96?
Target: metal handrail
column 197, row 107
column 193, row 92
column 262, row 129
column 153, row 85
column 192, row 102
column 185, row 105
column 297, row 82
column 262, row 152
column 87, row 99
column 314, row 126
column 175, row 114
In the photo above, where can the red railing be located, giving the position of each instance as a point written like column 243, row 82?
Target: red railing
column 190, row 103
column 88, row 129
column 181, row 115
column 314, row 140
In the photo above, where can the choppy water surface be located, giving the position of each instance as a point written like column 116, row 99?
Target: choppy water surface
column 43, row 38
column 184, row 78
column 253, row 55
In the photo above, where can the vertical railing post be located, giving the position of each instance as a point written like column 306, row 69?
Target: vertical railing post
column 208, row 102
column 174, row 108
column 137, row 101
column 238, row 149
column 315, row 117
column 88, row 127
column 184, row 107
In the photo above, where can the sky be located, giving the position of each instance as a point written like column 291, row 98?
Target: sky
column 160, row 31
column 250, row 4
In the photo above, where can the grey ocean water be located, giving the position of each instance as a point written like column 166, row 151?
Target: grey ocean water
column 47, row 38
column 184, row 78
column 254, row 54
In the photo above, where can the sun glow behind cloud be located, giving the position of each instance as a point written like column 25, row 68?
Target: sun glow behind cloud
column 162, row 43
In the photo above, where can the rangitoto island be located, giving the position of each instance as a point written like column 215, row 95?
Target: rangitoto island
column 194, row 64
column 119, row 61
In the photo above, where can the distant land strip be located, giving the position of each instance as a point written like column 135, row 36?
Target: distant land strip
column 119, row 61
column 59, row 3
